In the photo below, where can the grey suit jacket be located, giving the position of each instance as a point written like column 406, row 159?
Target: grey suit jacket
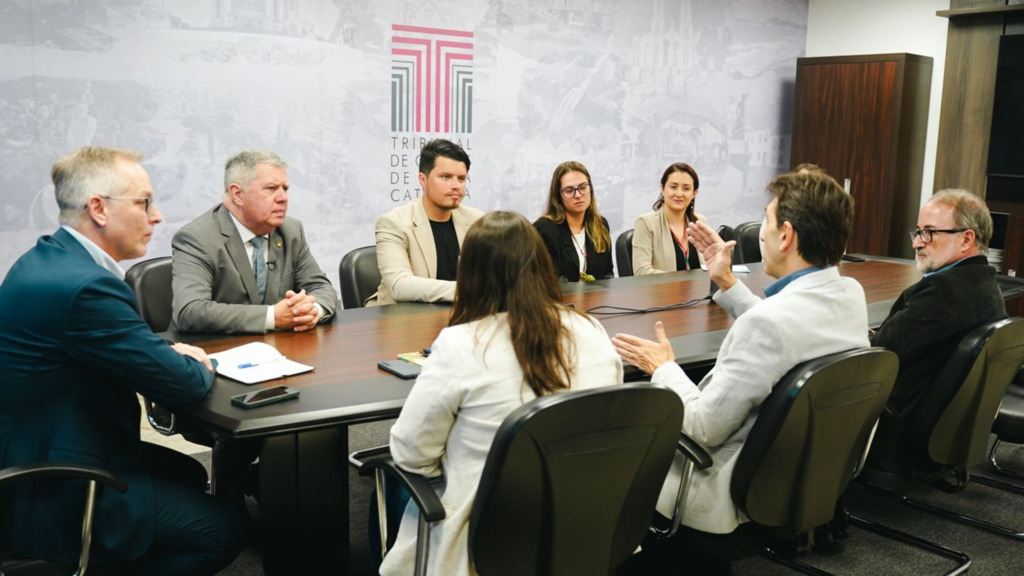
column 815, row 315
column 214, row 285
column 407, row 257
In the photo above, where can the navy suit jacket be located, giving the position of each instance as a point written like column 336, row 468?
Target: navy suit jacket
column 558, row 239
column 75, row 351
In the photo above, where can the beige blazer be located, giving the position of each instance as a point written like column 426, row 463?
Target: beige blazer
column 407, row 258
column 653, row 247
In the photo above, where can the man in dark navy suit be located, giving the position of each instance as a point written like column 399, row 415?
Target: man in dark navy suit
column 75, row 352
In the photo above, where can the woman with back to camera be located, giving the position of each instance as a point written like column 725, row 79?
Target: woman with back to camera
column 575, row 233
column 509, row 340
column 659, row 236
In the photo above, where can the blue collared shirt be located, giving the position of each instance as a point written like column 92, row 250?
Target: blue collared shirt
column 102, row 258
column 944, row 268
column 777, row 286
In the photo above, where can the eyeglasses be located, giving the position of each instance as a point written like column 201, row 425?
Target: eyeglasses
column 570, row 191
column 146, row 200
column 928, row 233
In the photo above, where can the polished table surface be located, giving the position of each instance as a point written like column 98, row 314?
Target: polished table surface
column 347, row 387
column 303, row 470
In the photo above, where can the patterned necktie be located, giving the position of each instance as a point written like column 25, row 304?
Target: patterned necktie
column 259, row 265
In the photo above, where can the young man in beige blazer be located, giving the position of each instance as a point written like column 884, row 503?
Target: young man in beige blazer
column 418, row 244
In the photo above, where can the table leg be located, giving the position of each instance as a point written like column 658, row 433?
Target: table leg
column 304, row 502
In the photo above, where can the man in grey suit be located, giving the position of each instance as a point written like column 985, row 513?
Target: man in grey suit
column 809, row 312
column 244, row 266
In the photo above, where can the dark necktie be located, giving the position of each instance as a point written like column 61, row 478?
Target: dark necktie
column 259, row 266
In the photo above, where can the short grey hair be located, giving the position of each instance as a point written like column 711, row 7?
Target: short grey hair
column 241, row 168
column 87, row 172
column 969, row 213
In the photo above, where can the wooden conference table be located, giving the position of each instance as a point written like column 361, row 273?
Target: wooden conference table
column 303, row 465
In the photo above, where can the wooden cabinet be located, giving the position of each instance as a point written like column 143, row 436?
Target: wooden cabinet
column 863, row 119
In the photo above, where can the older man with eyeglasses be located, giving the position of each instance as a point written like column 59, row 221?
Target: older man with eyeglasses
column 75, row 352
column 957, row 294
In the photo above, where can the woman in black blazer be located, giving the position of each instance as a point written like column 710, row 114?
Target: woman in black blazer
column 577, row 236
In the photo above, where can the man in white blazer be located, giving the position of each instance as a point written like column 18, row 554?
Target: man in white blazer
column 810, row 311
column 418, row 244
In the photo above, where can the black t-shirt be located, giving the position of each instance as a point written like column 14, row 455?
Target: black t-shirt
column 681, row 260
column 446, row 242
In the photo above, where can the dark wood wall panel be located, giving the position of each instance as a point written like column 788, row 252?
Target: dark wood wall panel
column 972, row 46
column 972, row 49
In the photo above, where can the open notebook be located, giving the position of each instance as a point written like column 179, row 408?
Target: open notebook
column 256, row 362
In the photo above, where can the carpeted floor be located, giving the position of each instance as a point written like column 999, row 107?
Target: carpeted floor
column 863, row 553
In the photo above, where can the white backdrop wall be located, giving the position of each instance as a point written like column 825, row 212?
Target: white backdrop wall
column 624, row 87
column 844, row 28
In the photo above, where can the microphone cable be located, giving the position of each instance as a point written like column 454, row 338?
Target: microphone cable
column 620, row 311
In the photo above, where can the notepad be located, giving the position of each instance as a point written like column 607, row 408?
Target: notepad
column 256, row 362
column 416, row 358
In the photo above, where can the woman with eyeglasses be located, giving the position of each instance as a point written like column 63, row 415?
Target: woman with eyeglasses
column 659, row 236
column 576, row 234
column 510, row 339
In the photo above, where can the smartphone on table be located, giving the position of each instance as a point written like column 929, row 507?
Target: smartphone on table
column 401, row 368
column 265, row 396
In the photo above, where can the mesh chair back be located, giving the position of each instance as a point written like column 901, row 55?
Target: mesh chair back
column 151, row 281
column 571, row 481
column 809, row 437
column 359, row 276
column 747, row 242
column 624, row 253
column 962, row 404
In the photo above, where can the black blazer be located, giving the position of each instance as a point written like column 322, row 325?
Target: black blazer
column 558, row 239
column 924, row 327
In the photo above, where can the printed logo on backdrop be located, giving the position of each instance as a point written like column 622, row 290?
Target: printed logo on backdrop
column 431, row 97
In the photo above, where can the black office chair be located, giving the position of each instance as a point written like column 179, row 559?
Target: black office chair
column 532, row 513
column 96, row 477
column 727, row 233
column 1008, row 427
column 955, row 418
column 747, row 243
column 624, row 253
column 151, row 282
column 359, row 275
column 807, row 443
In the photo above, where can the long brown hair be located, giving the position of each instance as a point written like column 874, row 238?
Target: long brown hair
column 505, row 267
column 598, row 234
column 691, row 210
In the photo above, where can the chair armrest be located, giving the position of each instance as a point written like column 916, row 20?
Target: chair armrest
column 694, row 452
column 45, row 469
column 153, row 416
column 418, row 486
column 696, row 457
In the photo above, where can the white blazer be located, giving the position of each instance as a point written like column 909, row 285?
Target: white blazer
column 818, row 314
column 470, row 383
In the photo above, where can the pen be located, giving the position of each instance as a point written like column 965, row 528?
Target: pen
column 255, row 364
